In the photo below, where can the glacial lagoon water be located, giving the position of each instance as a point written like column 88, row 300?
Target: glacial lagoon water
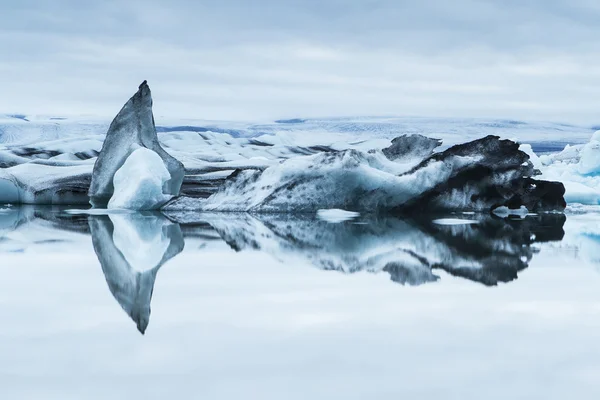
column 230, row 306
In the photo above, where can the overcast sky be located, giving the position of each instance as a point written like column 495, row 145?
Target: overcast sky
column 267, row 59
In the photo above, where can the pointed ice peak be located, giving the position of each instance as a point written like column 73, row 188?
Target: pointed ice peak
column 132, row 128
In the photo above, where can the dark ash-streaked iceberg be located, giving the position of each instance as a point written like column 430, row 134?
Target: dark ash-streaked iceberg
column 480, row 175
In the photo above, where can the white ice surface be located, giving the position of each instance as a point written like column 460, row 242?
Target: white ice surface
column 578, row 168
column 535, row 160
column 139, row 182
column 589, row 164
column 329, row 180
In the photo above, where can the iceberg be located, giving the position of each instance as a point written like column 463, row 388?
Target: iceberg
column 578, row 168
column 589, row 164
column 9, row 189
column 480, row 175
column 33, row 183
column 132, row 128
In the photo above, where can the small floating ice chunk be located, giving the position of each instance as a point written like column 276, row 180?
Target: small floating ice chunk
column 506, row 212
column 454, row 221
column 335, row 215
column 97, row 211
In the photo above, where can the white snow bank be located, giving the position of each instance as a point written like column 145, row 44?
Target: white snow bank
column 535, row 160
column 336, row 215
column 570, row 155
column 139, row 182
column 590, row 156
column 578, row 168
column 576, row 192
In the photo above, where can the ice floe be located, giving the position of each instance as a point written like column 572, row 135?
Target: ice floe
column 578, row 168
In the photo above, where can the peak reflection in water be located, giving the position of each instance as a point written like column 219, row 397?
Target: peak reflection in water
column 131, row 249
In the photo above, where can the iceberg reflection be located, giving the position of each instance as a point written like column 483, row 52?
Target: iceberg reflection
column 131, row 249
column 491, row 251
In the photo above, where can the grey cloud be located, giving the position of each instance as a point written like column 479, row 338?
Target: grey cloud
column 265, row 59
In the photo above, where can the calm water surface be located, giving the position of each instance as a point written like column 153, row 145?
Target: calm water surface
column 230, row 306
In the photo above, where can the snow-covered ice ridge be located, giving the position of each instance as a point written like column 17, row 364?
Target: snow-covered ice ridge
column 50, row 160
